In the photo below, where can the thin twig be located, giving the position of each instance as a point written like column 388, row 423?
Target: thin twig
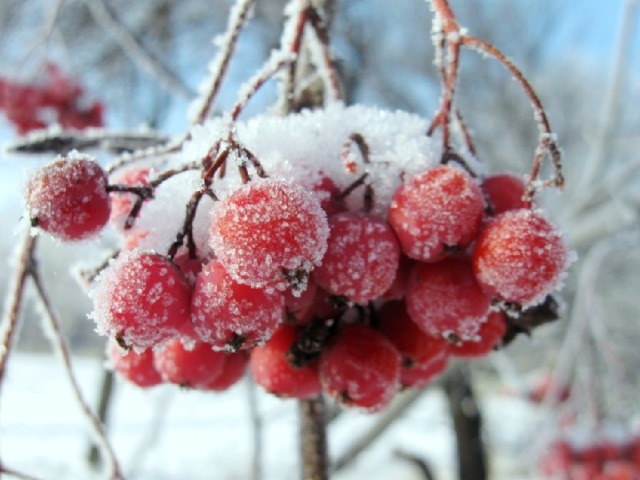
column 107, row 20
column 256, row 428
column 314, row 439
column 4, row 470
column 60, row 346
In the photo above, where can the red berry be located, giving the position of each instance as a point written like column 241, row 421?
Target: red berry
column 230, row 315
column 141, row 299
column 272, row 370
column 361, row 260
column 233, row 370
column 520, row 257
column 68, row 198
column 298, row 306
column 445, row 300
column 269, row 231
column 422, row 374
column 504, row 192
column 193, row 365
column 361, row 368
column 435, row 210
column 328, row 195
column 121, row 202
column 137, row 368
column 489, row 336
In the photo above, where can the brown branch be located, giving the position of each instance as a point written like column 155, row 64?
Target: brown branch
column 4, row 470
column 332, row 81
column 314, row 439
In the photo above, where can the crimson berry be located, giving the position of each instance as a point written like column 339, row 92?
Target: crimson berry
column 422, row 374
column 193, row 365
column 68, row 198
column 361, row 260
column 445, row 300
column 298, row 306
column 272, row 370
column 398, row 288
column 231, row 315
column 136, row 367
column 233, row 370
column 520, row 257
column 489, row 336
column 269, row 231
column 504, row 192
column 361, row 368
column 328, row 194
column 122, row 202
column 435, row 210
column 141, row 299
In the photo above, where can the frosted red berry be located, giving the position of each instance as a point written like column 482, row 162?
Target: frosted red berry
column 520, row 257
column 420, row 375
column 272, row 370
column 231, row 315
column 436, row 210
column 503, row 192
column 361, row 260
column 445, row 300
column 135, row 367
column 361, row 368
column 489, row 336
column 269, row 231
column 68, row 198
column 141, row 299
column 123, row 202
column 193, row 364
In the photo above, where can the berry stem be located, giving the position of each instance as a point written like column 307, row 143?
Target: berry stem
column 315, row 462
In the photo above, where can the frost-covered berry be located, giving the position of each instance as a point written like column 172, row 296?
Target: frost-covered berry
column 422, row 374
column 192, row 365
column 520, row 257
column 135, row 367
column 269, row 231
column 68, row 197
column 234, row 368
column 504, row 191
column 437, row 209
column 122, row 202
column 141, row 299
column 272, row 370
column 361, row 260
column 490, row 335
column 445, row 300
column 231, row 315
column 361, row 368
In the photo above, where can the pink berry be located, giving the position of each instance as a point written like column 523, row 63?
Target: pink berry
column 361, row 260
column 438, row 209
column 272, row 370
column 68, row 198
column 142, row 299
column 504, row 192
column 137, row 368
column 233, row 369
column 520, row 257
column 489, row 336
column 361, row 368
column 193, row 365
column 269, row 231
column 445, row 300
column 231, row 315
column 121, row 202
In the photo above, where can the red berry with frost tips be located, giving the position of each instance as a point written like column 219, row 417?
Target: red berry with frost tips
column 504, row 192
column 361, row 260
column 422, row 374
column 272, row 370
column 137, row 368
column 141, row 299
column 68, row 198
column 231, row 315
column 436, row 210
column 328, row 194
column 234, row 368
column 269, row 232
column 122, row 202
column 445, row 300
column 192, row 365
column 489, row 336
column 520, row 257
column 298, row 306
column 361, row 368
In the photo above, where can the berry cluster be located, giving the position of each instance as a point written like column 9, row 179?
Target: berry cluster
column 324, row 292
column 57, row 100
column 598, row 456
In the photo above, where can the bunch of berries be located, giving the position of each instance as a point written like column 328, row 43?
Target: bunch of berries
column 325, row 293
